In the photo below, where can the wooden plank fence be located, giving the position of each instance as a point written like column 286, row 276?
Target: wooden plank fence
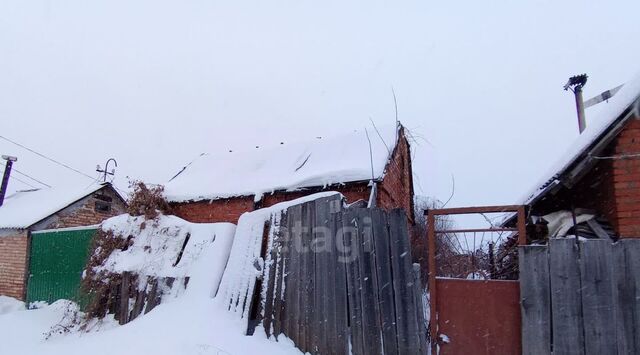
column 341, row 281
column 581, row 297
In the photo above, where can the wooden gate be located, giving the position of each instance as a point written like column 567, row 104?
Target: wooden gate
column 581, row 297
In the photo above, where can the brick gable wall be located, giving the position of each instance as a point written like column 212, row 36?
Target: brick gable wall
column 396, row 190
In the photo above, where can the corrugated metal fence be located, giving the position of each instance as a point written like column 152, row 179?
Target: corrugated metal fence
column 581, row 297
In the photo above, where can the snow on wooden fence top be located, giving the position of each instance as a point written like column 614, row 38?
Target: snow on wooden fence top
column 599, row 120
column 319, row 162
column 24, row 208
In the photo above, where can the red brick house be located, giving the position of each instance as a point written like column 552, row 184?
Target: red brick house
column 25, row 212
column 371, row 166
column 601, row 172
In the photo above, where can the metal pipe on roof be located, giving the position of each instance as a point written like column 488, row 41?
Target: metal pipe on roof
column 5, row 176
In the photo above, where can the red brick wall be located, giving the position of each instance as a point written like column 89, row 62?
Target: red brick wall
column 396, row 190
column 13, row 263
column 626, row 181
column 225, row 210
column 352, row 192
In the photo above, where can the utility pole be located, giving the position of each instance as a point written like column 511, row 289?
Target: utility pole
column 5, row 177
column 575, row 84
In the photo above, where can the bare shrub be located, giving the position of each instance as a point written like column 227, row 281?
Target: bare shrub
column 147, row 201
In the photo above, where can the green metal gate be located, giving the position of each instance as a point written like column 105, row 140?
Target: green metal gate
column 57, row 260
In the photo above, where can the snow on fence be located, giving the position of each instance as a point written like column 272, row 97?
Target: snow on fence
column 154, row 262
column 581, row 297
column 334, row 280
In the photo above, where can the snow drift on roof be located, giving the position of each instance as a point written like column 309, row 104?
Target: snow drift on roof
column 320, row 162
column 599, row 119
column 24, row 208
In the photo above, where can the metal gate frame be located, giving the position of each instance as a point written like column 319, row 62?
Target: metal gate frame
column 431, row 249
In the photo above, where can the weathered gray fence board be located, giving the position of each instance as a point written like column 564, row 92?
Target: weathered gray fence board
column 279, row 247
column 626, row 255
column 633, row 274
column 307, row 299
column 370, row 308
column 422, row 325
column 566, row 308
column 321, row 313
column 293, row 277
column 407, row 323
column 354, row 284
column 271, row 263
column 340, row 281
column 535, row 300
column 385, row 282
column 598, row 301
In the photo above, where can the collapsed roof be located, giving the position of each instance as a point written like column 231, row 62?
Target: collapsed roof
column 357, row 156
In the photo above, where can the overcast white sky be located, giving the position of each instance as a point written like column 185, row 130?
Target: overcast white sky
column 155, row 83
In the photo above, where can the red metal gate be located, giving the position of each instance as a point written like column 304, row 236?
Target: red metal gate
column 480, row 315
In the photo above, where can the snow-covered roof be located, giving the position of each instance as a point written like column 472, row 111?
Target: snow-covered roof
column 600, row 119
column 287, row 166
column 24, row 208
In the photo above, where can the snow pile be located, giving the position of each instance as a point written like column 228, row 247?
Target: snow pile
column 245, row 263
column 9, row 305
column 167, row 246
column 320, row 162
column 193, row 324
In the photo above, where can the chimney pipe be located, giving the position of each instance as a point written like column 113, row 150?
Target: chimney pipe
column 5, row 177
column 582, row 123
column 575, row 84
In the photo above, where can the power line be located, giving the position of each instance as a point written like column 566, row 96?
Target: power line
column 46, row 157
column 24, row 182
column 30, row 177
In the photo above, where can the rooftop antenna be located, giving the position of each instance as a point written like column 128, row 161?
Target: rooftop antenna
column 106, row 169
column 575, row 84
column 5, row 177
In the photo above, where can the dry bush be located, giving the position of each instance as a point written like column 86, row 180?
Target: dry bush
column 97, row 284
column 147, row 201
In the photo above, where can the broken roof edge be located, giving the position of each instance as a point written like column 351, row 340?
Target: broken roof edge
column 313, row 189
column 399, row 133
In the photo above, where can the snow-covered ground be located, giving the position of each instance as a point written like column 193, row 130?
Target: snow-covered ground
column 193, row 323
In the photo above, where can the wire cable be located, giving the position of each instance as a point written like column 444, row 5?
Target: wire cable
column 46, row 157
column 30, row 177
